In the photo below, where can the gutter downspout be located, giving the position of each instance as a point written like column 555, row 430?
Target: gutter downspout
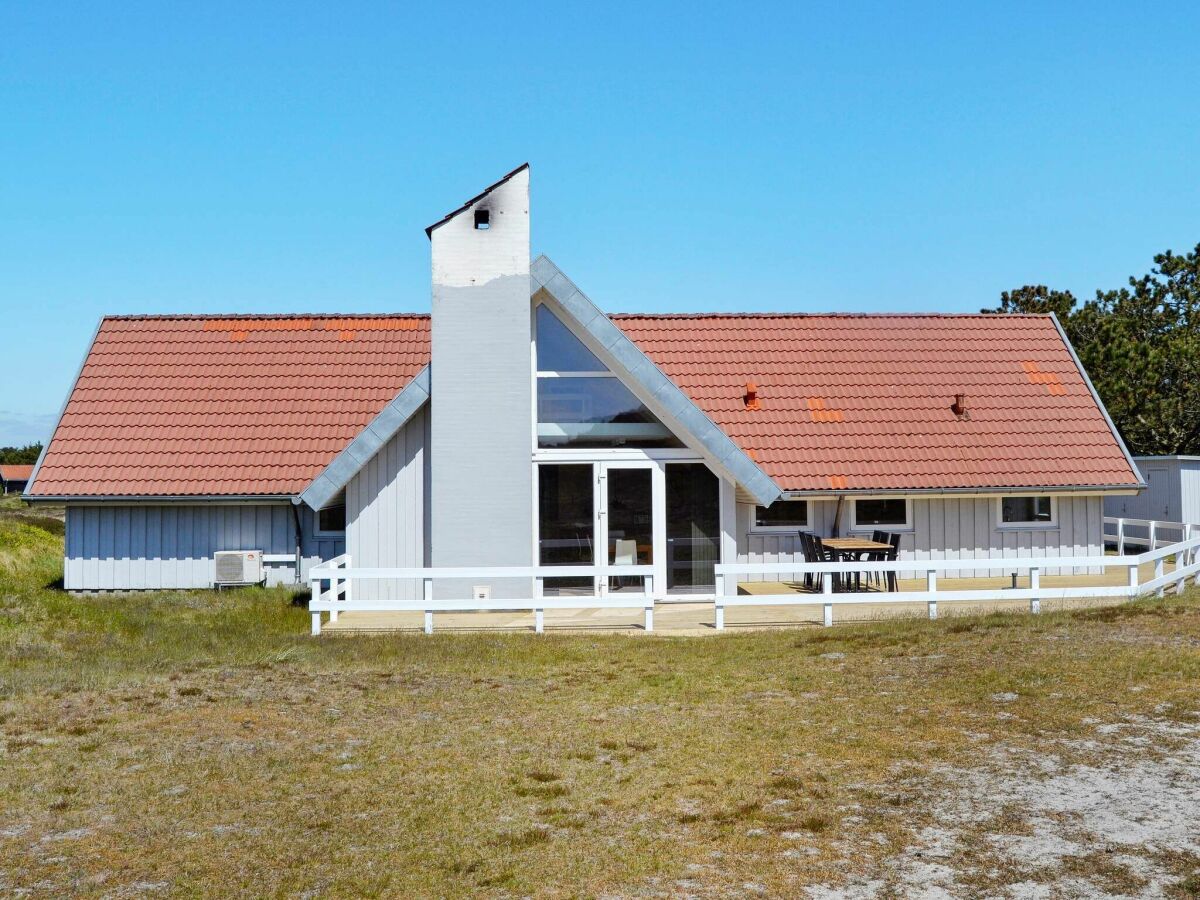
column 299, row 539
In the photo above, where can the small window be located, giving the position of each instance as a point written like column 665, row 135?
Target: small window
column 483, row 219
column 332, row 519
column 1026, row 511
column 889, row 512
column 787, row 515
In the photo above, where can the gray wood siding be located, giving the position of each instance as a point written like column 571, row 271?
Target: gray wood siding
column 944, row 528
column 160, row 546
column 387, row 511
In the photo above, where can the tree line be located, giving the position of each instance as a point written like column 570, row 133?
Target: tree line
column 1141, row 346
column 17, row 455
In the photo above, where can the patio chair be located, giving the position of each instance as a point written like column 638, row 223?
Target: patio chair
column 821, row 553
column 891, row 556
column 809, row 552
column 625, row 554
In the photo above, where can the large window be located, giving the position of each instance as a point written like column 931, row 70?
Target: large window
column 1016, row 511
column 782, row 515
column 580, row 403
column 881, row 512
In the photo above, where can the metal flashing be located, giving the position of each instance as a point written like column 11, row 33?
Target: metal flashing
column 359, row 451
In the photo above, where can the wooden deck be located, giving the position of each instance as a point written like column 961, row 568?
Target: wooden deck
column 697, row 618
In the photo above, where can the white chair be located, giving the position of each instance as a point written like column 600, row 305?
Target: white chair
column 624, row 554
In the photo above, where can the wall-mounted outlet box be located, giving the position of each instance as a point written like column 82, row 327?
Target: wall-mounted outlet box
column 481, row 592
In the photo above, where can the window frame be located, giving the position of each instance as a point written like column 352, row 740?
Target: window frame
column 1001, row 525
column 871, row 526
column 320, row 532
column 755, row 528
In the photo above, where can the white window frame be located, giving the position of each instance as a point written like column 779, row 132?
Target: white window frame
column 870, row 526
column 755, row 528
column 1001, row 525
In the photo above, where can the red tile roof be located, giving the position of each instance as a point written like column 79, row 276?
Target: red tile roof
column 15, row 472
column 862, row 402
column 232, row 405
column 173, row 406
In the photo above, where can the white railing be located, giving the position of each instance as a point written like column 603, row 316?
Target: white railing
column 1144, row 533
column 340, row 577
column 338, row 598
column 1185, row 553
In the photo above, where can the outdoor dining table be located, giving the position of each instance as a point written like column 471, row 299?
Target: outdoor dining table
column 854, row 549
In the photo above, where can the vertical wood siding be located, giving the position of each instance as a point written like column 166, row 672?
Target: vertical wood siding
column 945, row 528
column 162, row 546
column 387, row 511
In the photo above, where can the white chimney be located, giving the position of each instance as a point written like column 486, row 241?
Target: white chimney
column 481, row 491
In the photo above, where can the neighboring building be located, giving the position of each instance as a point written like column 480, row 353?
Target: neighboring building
column 14, row 478
column 1172, row 491
column 519, row 424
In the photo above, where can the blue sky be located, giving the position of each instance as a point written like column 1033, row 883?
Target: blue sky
column 257, row 157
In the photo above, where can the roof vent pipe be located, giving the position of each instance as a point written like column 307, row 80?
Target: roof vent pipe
column 959, row 408
column 751, row 397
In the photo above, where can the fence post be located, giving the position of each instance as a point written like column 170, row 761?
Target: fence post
column 427, row 592
column 539, row 624
column 1035, row 582
column 1120, row 537
column 1159, row 567
column 1153, row 539
column 1134, row 576
column 931, row 586
column 315, row 587
column 719, row 604
column 349, row 583
column 827, row 590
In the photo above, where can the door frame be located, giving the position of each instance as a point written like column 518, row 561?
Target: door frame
column 602, row 460
column 658, row 516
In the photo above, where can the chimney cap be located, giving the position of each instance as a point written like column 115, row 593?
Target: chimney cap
column 487, row 190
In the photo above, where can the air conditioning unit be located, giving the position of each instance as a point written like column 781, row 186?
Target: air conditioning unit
column 239, row 567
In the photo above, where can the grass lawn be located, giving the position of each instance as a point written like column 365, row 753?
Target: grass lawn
column 193, row 743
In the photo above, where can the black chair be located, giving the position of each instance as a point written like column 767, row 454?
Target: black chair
column 814, row 552
column 891, row 556
column 879, row 537
column 821, row 553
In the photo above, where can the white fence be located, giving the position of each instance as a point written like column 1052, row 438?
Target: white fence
column 1145, row 533
column 340, row 576
column 1184, row 552
column 338, row 597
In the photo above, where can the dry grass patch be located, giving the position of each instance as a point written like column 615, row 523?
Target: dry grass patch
column 205, row 743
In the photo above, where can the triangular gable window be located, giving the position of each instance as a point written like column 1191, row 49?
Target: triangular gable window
column 580, row 403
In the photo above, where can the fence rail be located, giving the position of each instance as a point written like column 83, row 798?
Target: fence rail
column 1186, row 565
column 338, row 598
column 340, row 577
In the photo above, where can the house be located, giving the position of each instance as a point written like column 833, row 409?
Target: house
column 520, row 425
column 13, row 478
column 1172, row 493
